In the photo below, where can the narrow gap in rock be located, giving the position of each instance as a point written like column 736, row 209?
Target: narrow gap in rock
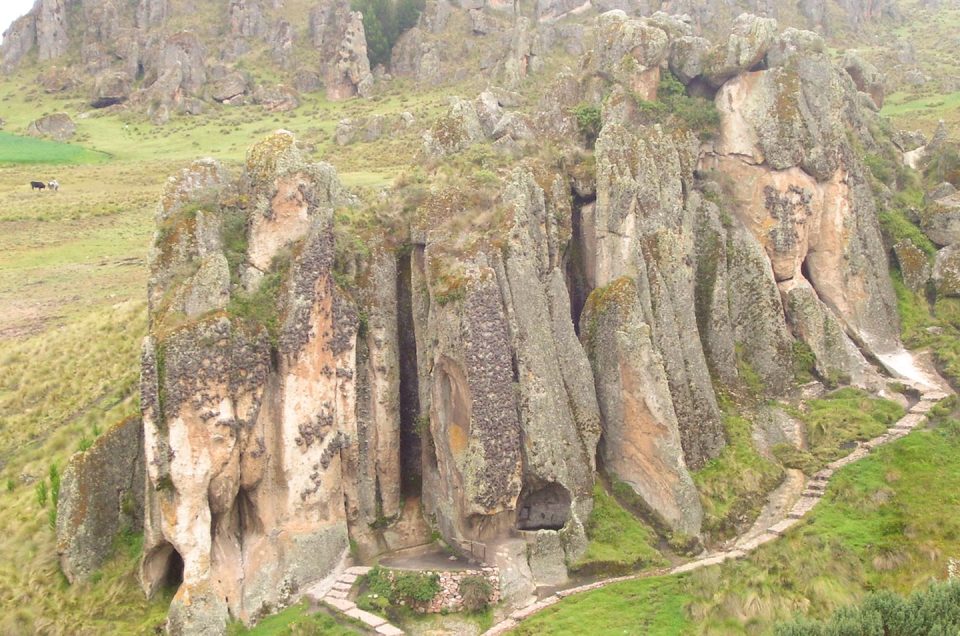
column 412, row 425
column 575, row 264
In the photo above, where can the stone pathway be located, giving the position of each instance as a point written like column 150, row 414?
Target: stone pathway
column 337, row 597
column 755, row 537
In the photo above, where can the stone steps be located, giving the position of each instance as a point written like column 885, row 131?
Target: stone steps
column 337, row 598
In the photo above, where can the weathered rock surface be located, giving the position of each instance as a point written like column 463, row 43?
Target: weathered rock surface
column 253, row 437
column 641, row 444
column 101, row 495
column 349, row 75
column 57, row 126
column 946, row 271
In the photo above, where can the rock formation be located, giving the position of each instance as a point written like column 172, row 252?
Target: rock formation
column 668, row 222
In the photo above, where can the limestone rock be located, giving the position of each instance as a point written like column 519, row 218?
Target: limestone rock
column 242, row 439
column 748, row 43
column 941, row 220
column 307, row 81
column 631, row 52
column 946, row 271
column 350, row 74
column 641, row 230
column 246, row 19
column 865, row 76
column 110, row 88
column 641, row 433
column 51, row 28
column 914, row 265
column 18, row 40
column 792, row 188
column 229, row 88
column 152, row 13
column 101, row 495
column 57, row 126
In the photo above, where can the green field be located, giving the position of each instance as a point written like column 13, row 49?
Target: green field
column 26, row 150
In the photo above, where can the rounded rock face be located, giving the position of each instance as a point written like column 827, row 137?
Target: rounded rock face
column 57, row 126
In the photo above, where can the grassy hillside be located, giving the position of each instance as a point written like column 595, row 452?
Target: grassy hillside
column 881, row 526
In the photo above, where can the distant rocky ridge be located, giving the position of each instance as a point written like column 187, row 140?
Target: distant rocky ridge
column 147, row 54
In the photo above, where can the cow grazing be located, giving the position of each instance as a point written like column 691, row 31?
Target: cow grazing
column 37, row 185
column 54, row 185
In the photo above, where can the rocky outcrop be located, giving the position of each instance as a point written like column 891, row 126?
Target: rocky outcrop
column 244, row 418
column 641, row 434
column 110, row 88
column 57, row 126
column 799, row 188
column 101, row 496
column 865, row 76
column 349, row 74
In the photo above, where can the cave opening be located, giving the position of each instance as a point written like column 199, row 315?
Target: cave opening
column 412, row 424
column 173, row 573
column 543, row 508
column 575, row 262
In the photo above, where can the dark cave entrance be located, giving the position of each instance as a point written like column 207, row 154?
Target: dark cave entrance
column 173, row 575
column 544, row 508
column 412, row 424
column 575, row 262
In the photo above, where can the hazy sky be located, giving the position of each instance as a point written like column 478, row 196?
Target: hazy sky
column 10, row 10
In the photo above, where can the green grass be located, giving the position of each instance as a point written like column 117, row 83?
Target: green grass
column 30, row 150
column 296, row 620
column 618, row 541
column 733, row 485
column 649, row 607
column 881, row 526
column 842, row 417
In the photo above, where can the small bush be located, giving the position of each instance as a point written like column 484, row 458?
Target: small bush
column 935, row 610
column 589, row 121
column 42, row 492
column 475, row 591
column 414, row 587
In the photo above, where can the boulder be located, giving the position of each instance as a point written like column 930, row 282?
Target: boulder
column 307, row 81
column 865, row 76
column 111, row 88
column 57, row 126
column 793, row 43
column 56, row 79
column 914, row 265
column 229, row 88
column 941, row 218
column 101, row 496
column 946, row 271
column 276, row 99
column 749, row 40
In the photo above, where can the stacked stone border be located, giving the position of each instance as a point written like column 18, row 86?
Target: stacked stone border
column 448, row 599
column 811, row 495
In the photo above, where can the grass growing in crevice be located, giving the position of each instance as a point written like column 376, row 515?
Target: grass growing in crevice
column 618, row 541
column 834, row 422
column 733, row 485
